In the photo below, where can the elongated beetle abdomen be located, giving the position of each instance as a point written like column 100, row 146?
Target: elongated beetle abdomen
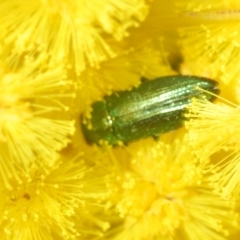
column 154, row 107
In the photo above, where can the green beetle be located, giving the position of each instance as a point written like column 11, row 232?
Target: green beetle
column 154, row 107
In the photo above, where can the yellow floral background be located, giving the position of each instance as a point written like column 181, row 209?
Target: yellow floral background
column 57, row 57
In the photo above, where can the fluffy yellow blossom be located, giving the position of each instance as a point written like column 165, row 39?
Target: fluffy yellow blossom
column 44, row 207
column 210, row 38
column 72, row 31
column 220, row 121
column 121, row 73
column 34, row 121
column 59, row 56
column 214, row 128
column 161, row 191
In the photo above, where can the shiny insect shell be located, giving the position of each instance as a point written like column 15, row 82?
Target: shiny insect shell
column 154, row 107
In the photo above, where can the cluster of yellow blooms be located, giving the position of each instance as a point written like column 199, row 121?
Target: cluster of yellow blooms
column 57, row 57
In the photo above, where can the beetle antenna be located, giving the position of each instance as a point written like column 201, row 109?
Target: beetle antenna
column 217, row 96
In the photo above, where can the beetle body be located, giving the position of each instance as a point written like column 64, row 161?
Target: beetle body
column 154, row 107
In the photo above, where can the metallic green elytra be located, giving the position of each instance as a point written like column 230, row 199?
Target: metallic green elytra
column 154, row 107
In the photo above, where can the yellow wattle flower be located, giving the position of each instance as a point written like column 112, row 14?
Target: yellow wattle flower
column 221, row 123
column 46, row 206
column 34, row 121
column 161, row 191
column 121, row 73
column 72, row 31
column 219, row 120
column 165, row 190
column 210, row 39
